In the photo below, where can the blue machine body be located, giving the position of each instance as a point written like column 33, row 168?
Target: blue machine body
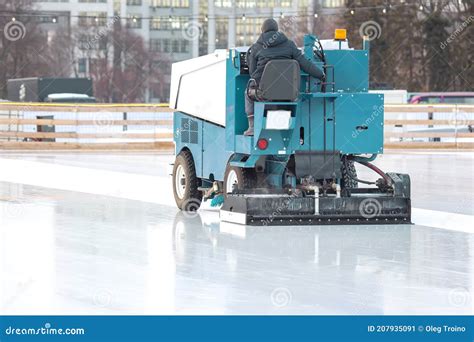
column 346, row 118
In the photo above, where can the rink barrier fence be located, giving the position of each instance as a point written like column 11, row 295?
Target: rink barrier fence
column 455, row 124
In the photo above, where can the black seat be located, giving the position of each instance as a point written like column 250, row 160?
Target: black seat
column 280, row 81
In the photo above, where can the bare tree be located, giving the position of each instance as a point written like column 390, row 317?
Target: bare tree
column 459, row 45
column 23, row 47
column 60, row 55
column 119, row 62
column 423, row 45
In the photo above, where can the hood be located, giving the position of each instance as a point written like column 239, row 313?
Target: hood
column 271, row 38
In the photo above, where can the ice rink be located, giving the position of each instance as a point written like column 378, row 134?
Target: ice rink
column 92, row 233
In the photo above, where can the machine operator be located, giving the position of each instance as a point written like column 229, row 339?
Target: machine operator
column 272, row 44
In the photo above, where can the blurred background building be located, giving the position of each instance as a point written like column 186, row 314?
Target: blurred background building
column 175, row 29
column 127, row 46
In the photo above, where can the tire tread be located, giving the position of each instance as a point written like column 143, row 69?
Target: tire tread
column 193, row 197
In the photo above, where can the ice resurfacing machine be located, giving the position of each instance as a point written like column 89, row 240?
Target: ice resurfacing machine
column 298, row 168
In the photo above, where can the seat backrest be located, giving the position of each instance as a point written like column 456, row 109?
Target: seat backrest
column 280, row 80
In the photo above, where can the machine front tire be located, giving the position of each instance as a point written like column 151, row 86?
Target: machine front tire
column 349, row 174
column 244, row 178
column 185, row 183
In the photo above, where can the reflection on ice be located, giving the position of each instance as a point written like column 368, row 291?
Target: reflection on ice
column 73, row 253
column 327, row 269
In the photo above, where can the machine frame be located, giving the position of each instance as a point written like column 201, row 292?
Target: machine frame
column 298, row 168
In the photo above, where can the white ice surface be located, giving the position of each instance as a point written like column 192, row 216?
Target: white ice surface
column 114, row 243
column 145, row 187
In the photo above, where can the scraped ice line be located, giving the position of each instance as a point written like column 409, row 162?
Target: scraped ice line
column 138, row 187
column 444, row 220
column 155, row 189
column 453, row 153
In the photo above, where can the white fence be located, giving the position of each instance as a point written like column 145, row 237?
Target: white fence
column 149, row 126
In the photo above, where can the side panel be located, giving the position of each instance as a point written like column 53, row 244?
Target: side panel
column 353, row 124
column 359, row 123
column 188, row 134
column 236, row 118
column 214, row 153
column 206, row 142
column 317, row 129
column 280, row 141
column 351, row 69
column 198, row 87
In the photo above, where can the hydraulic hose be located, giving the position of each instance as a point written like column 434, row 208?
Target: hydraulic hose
column 382, row 174
column 363, row 159
column 352, row 158
column 322, row 57
column 363, row 181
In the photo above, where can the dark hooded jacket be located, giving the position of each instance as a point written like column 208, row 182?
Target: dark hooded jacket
column 275, row 45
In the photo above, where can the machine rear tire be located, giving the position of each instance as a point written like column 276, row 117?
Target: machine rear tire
column 245, row 178
column 349, row 174
column 187, row 195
